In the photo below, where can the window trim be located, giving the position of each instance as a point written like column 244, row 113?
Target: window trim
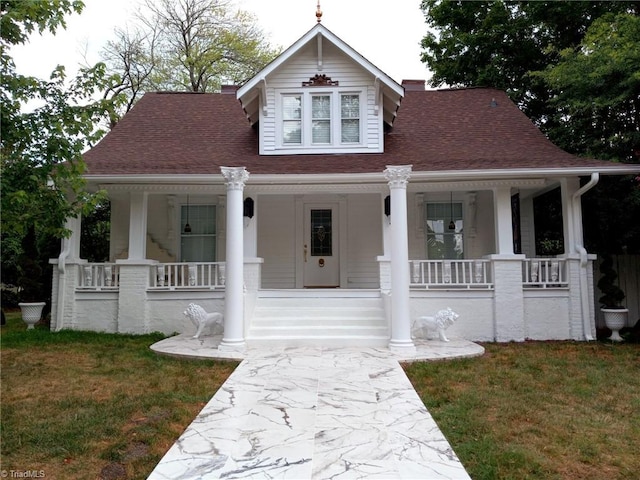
column 335, row 94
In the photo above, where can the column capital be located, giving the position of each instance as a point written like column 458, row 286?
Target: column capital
column 235, row 177
column 397, row 175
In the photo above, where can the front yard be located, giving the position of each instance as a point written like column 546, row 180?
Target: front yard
column 87, row 405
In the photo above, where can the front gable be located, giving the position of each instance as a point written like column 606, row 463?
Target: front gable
column 320, row 96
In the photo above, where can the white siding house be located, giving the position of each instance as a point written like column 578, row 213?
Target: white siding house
column 322, row 202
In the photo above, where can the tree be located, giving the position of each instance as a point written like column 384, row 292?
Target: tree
column 186, row 45
column 40, row 148
column 498, row 43
column 598, row 89
column 132, row 59
column 573, row 67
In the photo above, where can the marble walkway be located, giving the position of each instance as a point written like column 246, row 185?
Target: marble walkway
column 313, row 413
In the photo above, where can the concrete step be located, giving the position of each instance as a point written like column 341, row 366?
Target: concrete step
column 308, row 320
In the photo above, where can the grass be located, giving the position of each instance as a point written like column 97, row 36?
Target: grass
column 87, row 405
column 551, row 410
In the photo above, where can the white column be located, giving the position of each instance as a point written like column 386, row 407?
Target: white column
column 75, row 226
column 571, row 219
column 138, row 225
column 63, row 291
column 233, row 338
column 502, row 213
column 397, row 178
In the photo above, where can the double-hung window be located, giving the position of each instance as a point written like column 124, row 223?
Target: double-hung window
column 444, row 231
column 291, row 119
column 350, row 118
column 320, row 118
column 198, row 244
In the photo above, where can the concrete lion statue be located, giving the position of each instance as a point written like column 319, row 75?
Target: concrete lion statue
column 424, row 327
column 201, row 319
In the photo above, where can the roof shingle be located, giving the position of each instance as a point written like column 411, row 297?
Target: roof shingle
column 187, row 133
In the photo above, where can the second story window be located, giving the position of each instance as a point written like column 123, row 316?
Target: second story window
column 292, row 119
column 320, row 118
column 321, row 115
column 350, row 118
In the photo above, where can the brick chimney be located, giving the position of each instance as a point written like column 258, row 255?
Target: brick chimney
column 229, row 89
column 413, row 85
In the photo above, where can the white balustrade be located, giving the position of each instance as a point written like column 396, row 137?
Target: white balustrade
column 185, row 276
column 467, row 274
column 544, row 273
column 98, row 276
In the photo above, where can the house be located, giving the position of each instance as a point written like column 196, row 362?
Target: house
column 322, row 202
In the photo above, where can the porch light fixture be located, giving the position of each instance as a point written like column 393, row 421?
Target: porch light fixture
column 247, row 207
column 452, row 224
column 387, row 206
column 247, row 211
column 187, row 227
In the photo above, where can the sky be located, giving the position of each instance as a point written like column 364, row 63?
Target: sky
column 386, row 33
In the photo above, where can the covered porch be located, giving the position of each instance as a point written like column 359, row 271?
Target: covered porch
column 365, row 283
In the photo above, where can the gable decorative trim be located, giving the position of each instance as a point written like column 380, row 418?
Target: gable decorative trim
column 320, row 80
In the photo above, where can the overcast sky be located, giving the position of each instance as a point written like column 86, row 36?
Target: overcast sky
column 387, row 33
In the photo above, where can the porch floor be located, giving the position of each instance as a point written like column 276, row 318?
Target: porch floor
column 313, row 412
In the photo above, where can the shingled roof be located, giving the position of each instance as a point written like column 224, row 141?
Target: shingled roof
column 188, row 133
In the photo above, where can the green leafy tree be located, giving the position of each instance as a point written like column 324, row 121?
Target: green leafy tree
column 598, row 85
column 46, row 124
column 598, row 89
column 499, row 43
column 574, row 69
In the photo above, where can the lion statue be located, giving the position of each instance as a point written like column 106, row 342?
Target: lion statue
column 201, row 319
column 423, row 327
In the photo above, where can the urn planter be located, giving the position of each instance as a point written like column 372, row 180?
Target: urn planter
column 31, row 313
column 615, row 319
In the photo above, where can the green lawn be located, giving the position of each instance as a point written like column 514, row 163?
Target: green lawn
column 539, row 410
column 85, row 405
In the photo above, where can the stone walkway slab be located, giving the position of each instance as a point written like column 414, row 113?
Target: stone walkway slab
column 314, row 413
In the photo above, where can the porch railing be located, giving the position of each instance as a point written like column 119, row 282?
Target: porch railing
column 99, row 276
column 544, row 273
column 467, row 274
column 185, row 276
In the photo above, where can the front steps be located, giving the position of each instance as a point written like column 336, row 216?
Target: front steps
column 338, row 318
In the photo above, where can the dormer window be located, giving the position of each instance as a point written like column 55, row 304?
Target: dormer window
column 350, row 118
column 321, row 115
column 317, row 118
column 292, row 119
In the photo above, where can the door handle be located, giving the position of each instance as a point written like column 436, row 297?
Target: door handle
column 305, row 254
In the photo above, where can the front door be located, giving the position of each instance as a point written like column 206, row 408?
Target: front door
column 321, row 246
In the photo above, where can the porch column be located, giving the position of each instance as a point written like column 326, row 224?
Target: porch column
column 571, row 219
column 579, row 264
column 133, row 314
column 138, row 225
column 502, row 214
column 233, row 338
column 397, row 178
column 64, row 280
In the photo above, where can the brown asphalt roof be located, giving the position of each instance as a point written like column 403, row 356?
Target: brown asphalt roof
column 187, row 133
